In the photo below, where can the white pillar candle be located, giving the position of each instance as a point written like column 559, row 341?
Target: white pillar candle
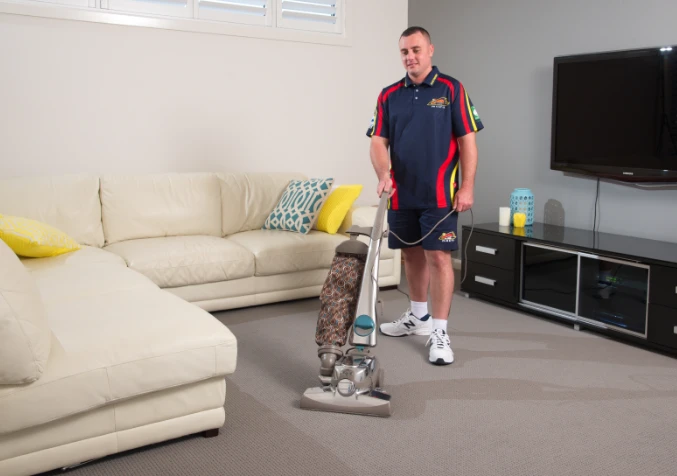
column 504, row 216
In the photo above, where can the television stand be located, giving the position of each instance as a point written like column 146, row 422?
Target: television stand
column 621, row 286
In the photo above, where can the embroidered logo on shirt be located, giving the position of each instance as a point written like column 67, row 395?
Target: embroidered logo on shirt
column 474, row 113
column 439, row 103
column 448, row 237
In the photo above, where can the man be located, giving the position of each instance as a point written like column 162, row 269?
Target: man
column 429, row 123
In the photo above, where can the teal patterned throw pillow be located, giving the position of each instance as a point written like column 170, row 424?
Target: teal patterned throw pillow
column 299, row 206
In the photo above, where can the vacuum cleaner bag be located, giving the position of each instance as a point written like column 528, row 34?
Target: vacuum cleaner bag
column 338, row 299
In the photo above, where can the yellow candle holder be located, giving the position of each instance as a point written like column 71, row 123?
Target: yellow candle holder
column 519, row 220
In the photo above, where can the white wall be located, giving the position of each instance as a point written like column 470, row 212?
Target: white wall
column 503, row 52
column 97, row 98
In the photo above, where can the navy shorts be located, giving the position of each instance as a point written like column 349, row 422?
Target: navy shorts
column 412, row 225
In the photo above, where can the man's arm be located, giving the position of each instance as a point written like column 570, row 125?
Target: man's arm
column 468, row 156
column 380, row 160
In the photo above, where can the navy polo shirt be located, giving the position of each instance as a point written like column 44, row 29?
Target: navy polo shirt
column 422, row 124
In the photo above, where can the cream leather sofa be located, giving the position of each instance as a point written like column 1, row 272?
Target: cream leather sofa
column 133, row 357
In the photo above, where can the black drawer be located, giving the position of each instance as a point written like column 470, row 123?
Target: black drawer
column 663, row 288
column 662, row 326
column 490, row 281
column 493, row 250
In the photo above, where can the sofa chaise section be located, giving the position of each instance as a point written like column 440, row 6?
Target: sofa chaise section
column 129, row 365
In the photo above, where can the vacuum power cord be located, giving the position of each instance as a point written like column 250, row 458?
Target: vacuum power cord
column 467, row 241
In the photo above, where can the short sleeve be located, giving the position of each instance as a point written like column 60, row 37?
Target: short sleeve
column 379, row 125
column 465, row 118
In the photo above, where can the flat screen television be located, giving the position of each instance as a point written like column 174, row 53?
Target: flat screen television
column 614, row 114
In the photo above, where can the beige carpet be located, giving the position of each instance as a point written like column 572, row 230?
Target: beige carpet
column 526, row 396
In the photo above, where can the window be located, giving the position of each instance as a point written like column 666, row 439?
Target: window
column 169, row 8
column 74, row 3
column 253, row 12
column 320, row 21
column 314, row 15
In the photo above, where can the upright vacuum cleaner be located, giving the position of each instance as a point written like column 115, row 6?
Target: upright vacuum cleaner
column 350, row 309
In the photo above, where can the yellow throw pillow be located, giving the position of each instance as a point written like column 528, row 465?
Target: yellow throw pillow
column 32, row 239
column 336, row 207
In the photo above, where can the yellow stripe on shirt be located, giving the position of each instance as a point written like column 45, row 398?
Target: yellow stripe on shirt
column 472, row 116
column 374, row 121
column 451, row 185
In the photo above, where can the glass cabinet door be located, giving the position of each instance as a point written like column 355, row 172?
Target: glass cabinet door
column 549, row 277
column 614, row 293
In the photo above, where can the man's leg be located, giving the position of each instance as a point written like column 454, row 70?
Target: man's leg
column 416, row 320
column 441, row 282
column 438, row 247
column 417, row 273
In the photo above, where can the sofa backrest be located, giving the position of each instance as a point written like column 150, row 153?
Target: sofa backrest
column 248, row 198
column 69, row 203
column 157, row 205
column 25, row 337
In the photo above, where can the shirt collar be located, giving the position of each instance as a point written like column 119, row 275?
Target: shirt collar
column 429, row 80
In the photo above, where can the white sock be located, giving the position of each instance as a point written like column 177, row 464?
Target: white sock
column 440, row 324
column 419, row 309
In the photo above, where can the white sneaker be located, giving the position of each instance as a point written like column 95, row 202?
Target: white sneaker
column 440, row 348
column 407, row 325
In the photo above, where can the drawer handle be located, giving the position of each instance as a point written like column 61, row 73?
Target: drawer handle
column 484, row 249
column 487, row 281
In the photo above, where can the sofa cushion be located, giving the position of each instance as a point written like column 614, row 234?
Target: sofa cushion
column 247, row 199
column 33, row 239
column 151, row 206
column 69, row 203
column 115, row 345
column 278, row 252
column 84, row 256
column 74, row 281
column 299, row 206
column 25, row 336
column 185, row 260
column 336, row 207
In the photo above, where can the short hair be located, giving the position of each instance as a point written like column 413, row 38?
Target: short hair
column 416, row 29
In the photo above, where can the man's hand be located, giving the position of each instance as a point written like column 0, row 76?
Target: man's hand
column 463, row 200
column 385, row 184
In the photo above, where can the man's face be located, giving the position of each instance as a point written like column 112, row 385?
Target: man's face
column 417, row 54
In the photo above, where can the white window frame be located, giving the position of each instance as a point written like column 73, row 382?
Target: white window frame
column 73, row 10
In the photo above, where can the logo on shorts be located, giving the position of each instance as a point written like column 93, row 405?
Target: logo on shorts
column 439, row 103
column 448, row 237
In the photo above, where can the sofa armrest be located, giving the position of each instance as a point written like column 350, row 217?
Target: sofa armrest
column 363, row 215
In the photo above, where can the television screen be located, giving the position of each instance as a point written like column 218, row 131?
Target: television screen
column 615, row 114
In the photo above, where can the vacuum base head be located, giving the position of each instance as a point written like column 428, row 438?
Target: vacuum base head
column 326, row 400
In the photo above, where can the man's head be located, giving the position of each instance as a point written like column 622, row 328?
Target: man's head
column 416, row 51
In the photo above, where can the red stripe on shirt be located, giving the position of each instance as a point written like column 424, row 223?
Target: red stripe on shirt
column 381, row 101
column 451, row 86
column 394, row 200
column 392, row 90
column 441, row 173
column 464, row 108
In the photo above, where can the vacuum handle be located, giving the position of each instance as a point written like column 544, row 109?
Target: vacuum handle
column 377, row 229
